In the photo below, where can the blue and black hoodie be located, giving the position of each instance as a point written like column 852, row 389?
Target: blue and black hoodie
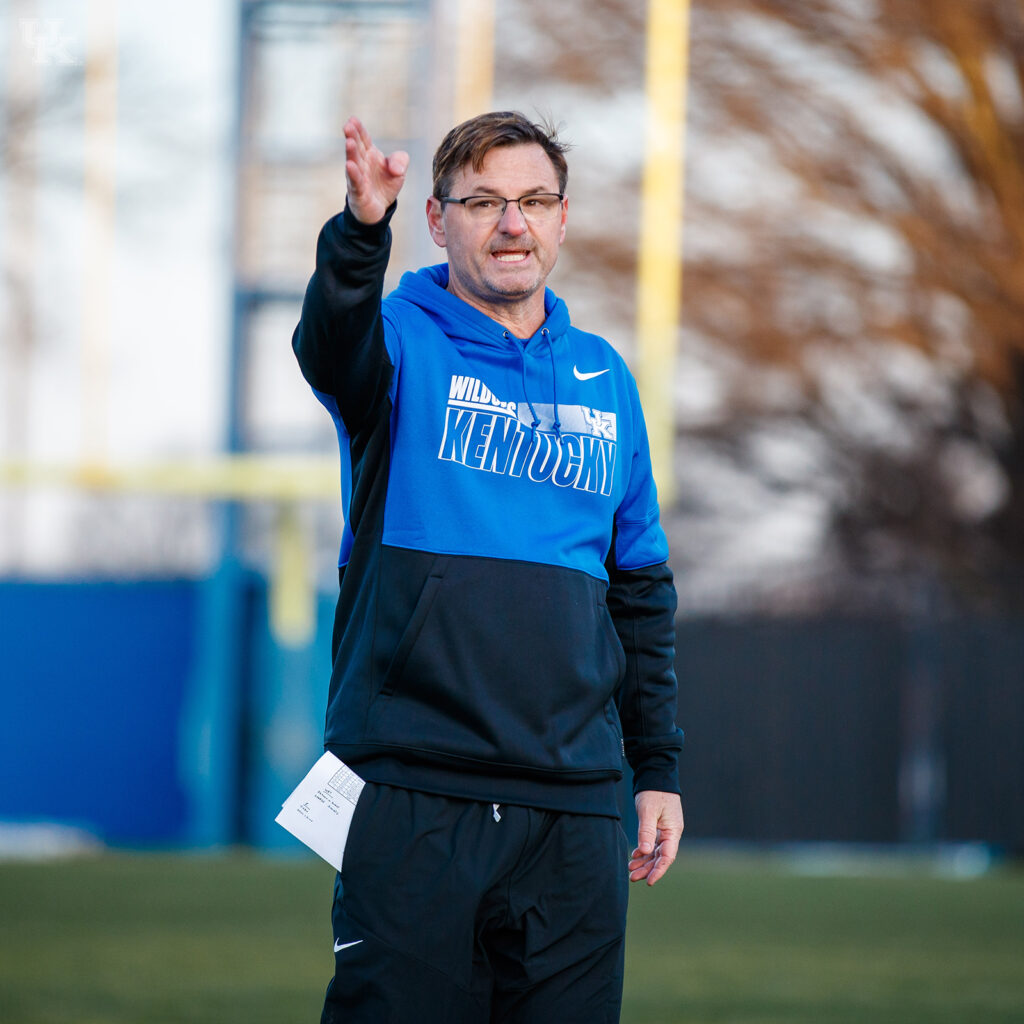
column 504, row 630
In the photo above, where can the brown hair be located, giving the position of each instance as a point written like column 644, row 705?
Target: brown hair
column 471, row 141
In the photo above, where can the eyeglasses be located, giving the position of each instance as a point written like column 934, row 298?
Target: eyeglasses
column 536, row 208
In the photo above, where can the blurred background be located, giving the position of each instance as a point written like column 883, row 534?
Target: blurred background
column 819, row 284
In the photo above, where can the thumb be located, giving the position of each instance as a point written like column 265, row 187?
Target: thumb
column 398, row 163
column 647, row 833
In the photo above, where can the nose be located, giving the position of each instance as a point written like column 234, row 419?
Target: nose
column 512, row 220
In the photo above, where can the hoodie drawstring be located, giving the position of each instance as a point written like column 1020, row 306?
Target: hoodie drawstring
column 554, row 382
column 554, row 385
column 533, row 412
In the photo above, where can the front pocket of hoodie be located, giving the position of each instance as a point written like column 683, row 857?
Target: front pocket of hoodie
column 506, row 663
column 411, row 634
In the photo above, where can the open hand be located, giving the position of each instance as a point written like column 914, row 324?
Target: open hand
column 373, row 179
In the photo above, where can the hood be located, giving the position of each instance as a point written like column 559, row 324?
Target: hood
column 427, row 288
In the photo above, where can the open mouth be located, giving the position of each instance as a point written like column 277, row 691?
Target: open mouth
column 511, row 256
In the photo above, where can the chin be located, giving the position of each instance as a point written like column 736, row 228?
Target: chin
column 510, row 290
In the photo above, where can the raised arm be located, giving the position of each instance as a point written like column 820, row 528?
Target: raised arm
column 339, row 341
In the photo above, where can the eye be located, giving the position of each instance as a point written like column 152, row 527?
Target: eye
column 483, row 203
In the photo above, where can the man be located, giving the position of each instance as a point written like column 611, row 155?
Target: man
column 504, row 630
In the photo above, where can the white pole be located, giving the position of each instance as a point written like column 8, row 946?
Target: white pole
column 98, row 211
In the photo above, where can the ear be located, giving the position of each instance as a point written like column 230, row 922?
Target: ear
column 565, row 216
column 435, row 221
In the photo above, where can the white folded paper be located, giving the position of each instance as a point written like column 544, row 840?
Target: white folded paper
column 319, row 811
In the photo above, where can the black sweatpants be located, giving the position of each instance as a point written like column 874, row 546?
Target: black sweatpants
column 462, row 912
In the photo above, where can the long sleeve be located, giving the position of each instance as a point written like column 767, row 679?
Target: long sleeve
column 642, row 603
column 339, row 341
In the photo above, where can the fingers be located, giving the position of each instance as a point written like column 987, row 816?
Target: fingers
column 359, row 154
column 664, row 857
column 358, row 132
column 373, row 181
column 653, row 864
column 640, row 866
column 357, row 142
column 660, row 821
column 355, row 160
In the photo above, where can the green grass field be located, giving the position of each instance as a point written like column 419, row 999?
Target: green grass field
column 150, row 939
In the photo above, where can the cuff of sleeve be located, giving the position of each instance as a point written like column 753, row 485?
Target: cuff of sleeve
column 658, row 781
column 656, row 769
column 372, row 233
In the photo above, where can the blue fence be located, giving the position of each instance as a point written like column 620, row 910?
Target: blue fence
column 164, row 714
column 155, row 713
column 94, row 683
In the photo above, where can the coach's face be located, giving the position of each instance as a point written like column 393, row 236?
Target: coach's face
column 497, row 263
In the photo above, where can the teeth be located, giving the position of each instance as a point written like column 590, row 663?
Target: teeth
column 511, row 257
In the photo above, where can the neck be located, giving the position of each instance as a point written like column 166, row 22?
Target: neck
column 521, row 317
